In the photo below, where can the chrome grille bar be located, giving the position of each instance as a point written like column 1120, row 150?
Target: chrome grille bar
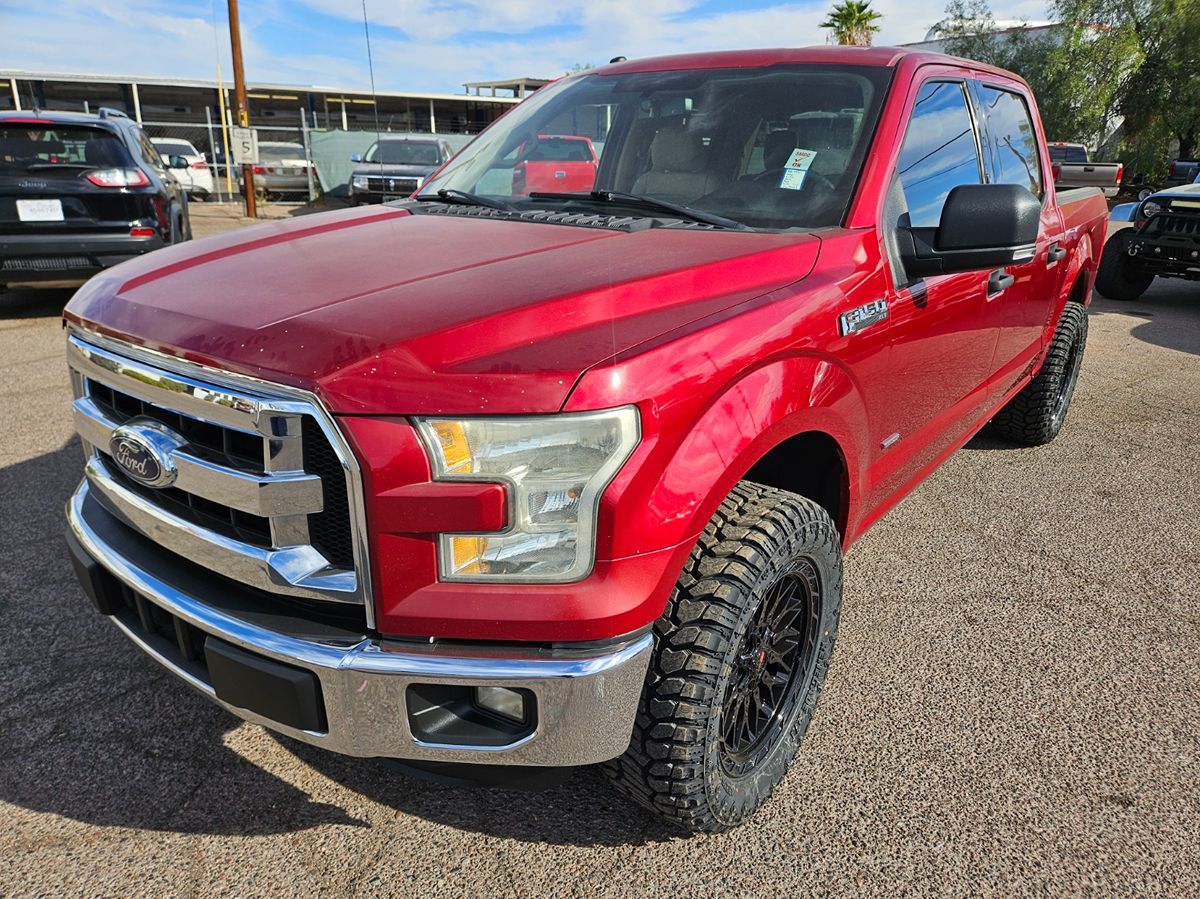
column 280, row 493
column 275, row 554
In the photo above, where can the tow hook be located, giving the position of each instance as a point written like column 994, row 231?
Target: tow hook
column 1134, row 249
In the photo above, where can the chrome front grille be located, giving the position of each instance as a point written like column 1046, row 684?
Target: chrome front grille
column 266, row 491
column 393, row 184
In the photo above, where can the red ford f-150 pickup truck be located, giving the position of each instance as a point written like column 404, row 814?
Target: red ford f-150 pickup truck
column 497, row 483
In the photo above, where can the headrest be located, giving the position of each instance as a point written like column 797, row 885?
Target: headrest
column 103, row 151
column 675, row 149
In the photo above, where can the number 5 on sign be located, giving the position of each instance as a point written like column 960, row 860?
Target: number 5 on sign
column 245, row 146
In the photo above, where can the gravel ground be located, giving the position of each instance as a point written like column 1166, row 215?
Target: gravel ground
column 1012, row 708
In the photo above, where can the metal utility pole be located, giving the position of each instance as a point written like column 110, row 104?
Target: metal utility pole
column 239, row 94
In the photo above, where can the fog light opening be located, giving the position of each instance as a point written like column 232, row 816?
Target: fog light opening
column 502, row 701
column 466, row 716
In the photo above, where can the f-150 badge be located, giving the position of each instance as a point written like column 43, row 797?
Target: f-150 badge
column 862, row 317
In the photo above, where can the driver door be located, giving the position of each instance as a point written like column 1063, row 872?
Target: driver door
column 942, row 342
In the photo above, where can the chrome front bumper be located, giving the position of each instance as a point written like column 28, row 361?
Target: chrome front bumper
column 586, row 695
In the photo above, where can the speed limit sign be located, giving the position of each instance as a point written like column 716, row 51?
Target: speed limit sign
column 245, row 146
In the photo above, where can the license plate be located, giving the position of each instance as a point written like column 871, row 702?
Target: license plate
column 39, row 210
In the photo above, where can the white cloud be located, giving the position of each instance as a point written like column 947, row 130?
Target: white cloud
column 420, row 44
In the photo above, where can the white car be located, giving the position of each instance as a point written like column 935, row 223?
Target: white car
column 197, row 178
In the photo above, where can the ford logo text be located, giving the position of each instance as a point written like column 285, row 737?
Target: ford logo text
column 144, row 450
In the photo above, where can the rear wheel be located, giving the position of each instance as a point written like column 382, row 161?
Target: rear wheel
column 1036, row 414
column 1118, row 277
column 741, row 653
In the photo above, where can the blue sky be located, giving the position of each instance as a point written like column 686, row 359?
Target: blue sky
column 423, row 45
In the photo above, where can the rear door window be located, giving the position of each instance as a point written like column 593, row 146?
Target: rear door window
column 43, row 148
column 1011, row 141
column 939, row 151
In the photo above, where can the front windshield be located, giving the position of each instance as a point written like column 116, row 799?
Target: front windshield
column 404, row 152
column 773, row 147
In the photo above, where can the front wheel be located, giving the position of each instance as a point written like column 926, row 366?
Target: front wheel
column 1118, row 277
column 740, row 655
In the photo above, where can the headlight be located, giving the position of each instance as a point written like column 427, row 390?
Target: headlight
column 359, row 181
column 1150, row 209
column 555, row 468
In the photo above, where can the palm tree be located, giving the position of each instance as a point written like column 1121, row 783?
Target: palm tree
column 853, row 22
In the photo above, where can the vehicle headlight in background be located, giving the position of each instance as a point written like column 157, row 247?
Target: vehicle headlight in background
column 1150, row 209
column 555, row 467
column 359, row 181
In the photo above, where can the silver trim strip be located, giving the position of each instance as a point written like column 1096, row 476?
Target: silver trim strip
column 586, row 701
column 292, row 571
column 283, row 493
column 248, row 404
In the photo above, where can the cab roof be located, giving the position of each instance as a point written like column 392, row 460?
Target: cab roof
column 883, row 57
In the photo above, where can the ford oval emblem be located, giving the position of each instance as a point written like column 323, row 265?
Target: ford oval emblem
column 144, row 449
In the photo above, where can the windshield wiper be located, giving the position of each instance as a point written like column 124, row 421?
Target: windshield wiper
column 623, row 199
column 467, row 198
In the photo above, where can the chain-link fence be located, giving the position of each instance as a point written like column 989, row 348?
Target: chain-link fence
column 296, row 163
column 280, row 147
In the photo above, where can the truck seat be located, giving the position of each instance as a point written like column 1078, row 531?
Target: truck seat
column 677, row 166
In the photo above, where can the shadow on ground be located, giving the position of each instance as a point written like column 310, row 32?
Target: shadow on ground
column 34, row 302
column 583, row 811
column 93, row 730
column 90, row 728
column 1169, row 314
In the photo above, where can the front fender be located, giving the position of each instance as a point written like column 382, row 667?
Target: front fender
column 691, row 457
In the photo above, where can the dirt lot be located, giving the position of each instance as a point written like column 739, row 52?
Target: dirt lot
column 1012, row 708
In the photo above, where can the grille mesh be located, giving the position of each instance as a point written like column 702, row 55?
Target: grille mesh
column 44, row 263
column 1178, row 225
column 222, row 446
column 328, row 530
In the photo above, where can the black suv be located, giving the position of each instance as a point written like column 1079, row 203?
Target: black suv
column 395, row 167
column 81, row 192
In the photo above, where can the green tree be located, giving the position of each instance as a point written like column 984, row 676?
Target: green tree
column 1129, row 62
column 1159, row 91
column 1074, row 76
column 853, row 22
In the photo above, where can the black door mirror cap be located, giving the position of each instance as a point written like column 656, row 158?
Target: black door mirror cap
column 977, row 216
column 983, row 226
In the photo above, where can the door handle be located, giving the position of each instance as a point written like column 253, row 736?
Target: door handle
column 999, row 281
column 1055, row 255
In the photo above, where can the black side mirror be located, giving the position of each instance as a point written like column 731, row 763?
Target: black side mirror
column 983, row 226
column 177, row 162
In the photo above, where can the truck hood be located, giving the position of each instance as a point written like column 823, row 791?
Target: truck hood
column 1182, row 192
column 382, row 311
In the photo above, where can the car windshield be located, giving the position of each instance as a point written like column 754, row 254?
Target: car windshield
column 773, row 147
column 404, row 152
column 174, row 147
column 278, row 152
column 44, row 147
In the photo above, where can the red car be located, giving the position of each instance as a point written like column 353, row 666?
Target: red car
column 562, row 479
column 555, row 162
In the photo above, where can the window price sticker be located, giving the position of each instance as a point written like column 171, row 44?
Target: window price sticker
column 796, row 169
